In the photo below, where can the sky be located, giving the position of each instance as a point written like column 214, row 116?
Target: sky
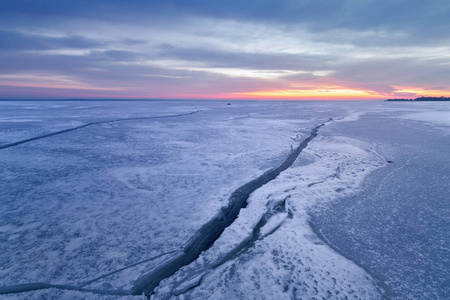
column 228, row 49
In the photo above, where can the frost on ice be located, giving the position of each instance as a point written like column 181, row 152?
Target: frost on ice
column 96, row 196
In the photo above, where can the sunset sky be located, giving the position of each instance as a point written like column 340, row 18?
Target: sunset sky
column 203, row 49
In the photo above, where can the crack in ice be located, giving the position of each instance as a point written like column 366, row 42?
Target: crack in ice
column 205, row 237
column 201, row 241
column 27, row 287
column 90, row 124
column 33, row 286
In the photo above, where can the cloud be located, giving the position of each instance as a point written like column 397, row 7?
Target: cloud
column 390, row 72
column 411, row 15
column 117, row 55
column 254, row 61
column 230, row 46
column 13, row 40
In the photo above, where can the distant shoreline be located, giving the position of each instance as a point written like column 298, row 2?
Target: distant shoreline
column 423, row 99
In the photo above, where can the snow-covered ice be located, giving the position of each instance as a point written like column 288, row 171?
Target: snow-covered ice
column 92, row 210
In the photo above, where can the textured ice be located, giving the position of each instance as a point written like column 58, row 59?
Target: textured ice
column 434, row 117
column 99, row 206
column 80, row 205
column 397, row 227
column 287, row 260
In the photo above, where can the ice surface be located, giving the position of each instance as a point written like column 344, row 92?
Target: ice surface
column 99, row 206
column 398, row 225
column 83, row 204
column 435, row 117
column 287, row 260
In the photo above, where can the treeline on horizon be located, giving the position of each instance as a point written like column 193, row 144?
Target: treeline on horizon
column 423, row 99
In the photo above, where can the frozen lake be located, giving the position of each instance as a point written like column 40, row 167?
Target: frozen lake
column 204, row 200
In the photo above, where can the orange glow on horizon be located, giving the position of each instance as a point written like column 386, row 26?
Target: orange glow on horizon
column 313, row 94
column 66, row 88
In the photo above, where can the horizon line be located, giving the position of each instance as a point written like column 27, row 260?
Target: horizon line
column 178, row 99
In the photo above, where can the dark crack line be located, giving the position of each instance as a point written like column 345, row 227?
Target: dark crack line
column 90, row 124
column 201, row 241
column 243, row 247
column 314, row 183
column 124, row 268
column 211, row 231
column 32, row 286
column 256, row 233
column 27, row 287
